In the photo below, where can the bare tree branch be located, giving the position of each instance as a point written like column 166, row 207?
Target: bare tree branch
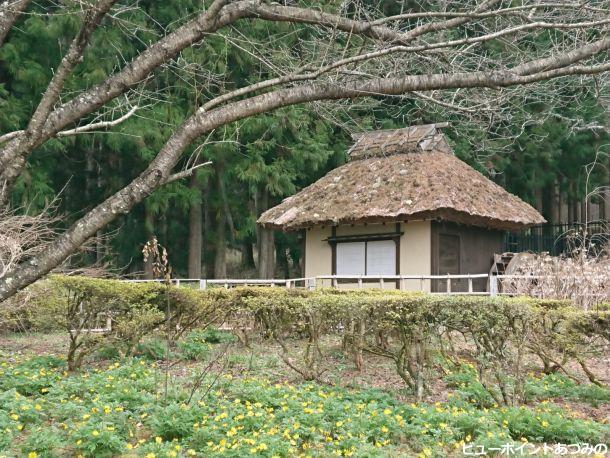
column 441, row 58
column 223, row 13
column 185, row 173
column 9, row 13
column 81, row 129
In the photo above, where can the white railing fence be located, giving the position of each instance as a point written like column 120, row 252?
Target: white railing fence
column 468, row 284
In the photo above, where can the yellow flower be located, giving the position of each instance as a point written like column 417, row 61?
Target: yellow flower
column 158, row 440
column 384, row 429
column 545, row 423
column 95, row 433
column 15, row 417
column 150, row 455
column 339, row 424
column 32, row 455
column 37, row 407
column 387, row 412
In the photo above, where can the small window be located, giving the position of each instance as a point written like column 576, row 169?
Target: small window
column 381, row 257
column 366, row 258
column 351, row 258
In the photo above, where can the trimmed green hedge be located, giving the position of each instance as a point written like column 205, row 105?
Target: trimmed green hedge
column 415, row 330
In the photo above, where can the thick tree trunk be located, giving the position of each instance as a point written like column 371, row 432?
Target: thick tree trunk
column 220, row 258
column 266, row 257
column 538, row 201
column 226, row 209
column 220, row 247
column 266, row 241
column 248, row 244
column 553, row 204
column 571, row 203
column 559, row 202
column 207, row 248
column 195, row 243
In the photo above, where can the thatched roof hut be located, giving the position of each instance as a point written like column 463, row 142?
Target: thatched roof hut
column 445, row 217
column 401, row 175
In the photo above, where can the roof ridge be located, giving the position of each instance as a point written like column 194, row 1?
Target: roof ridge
column 387, row 142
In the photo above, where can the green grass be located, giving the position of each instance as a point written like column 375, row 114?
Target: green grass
column 120, row 410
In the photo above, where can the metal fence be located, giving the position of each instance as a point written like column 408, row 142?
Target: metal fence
column 557, row 239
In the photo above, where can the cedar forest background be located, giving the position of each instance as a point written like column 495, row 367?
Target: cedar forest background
column 207, row 221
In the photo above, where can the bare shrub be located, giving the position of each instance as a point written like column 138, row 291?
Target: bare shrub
column 23, row 235
column 582, row 276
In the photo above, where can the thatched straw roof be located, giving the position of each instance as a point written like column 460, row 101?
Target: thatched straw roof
column 400, row 175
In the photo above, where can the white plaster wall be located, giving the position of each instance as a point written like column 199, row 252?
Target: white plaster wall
column 318, row 254
column 415, row 250
column 416, row 253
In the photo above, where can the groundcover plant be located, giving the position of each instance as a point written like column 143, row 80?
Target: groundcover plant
column 119, row 409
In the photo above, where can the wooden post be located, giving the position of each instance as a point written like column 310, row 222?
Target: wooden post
column 493, row 285
column 381, row 282
column 313, row 283
column 448, row 284
column 470, row 284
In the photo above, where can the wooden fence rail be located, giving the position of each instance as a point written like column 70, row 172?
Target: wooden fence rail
column 402, row 282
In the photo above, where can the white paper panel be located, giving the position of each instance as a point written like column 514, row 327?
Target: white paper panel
column 350, row 258
column 381, row 258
